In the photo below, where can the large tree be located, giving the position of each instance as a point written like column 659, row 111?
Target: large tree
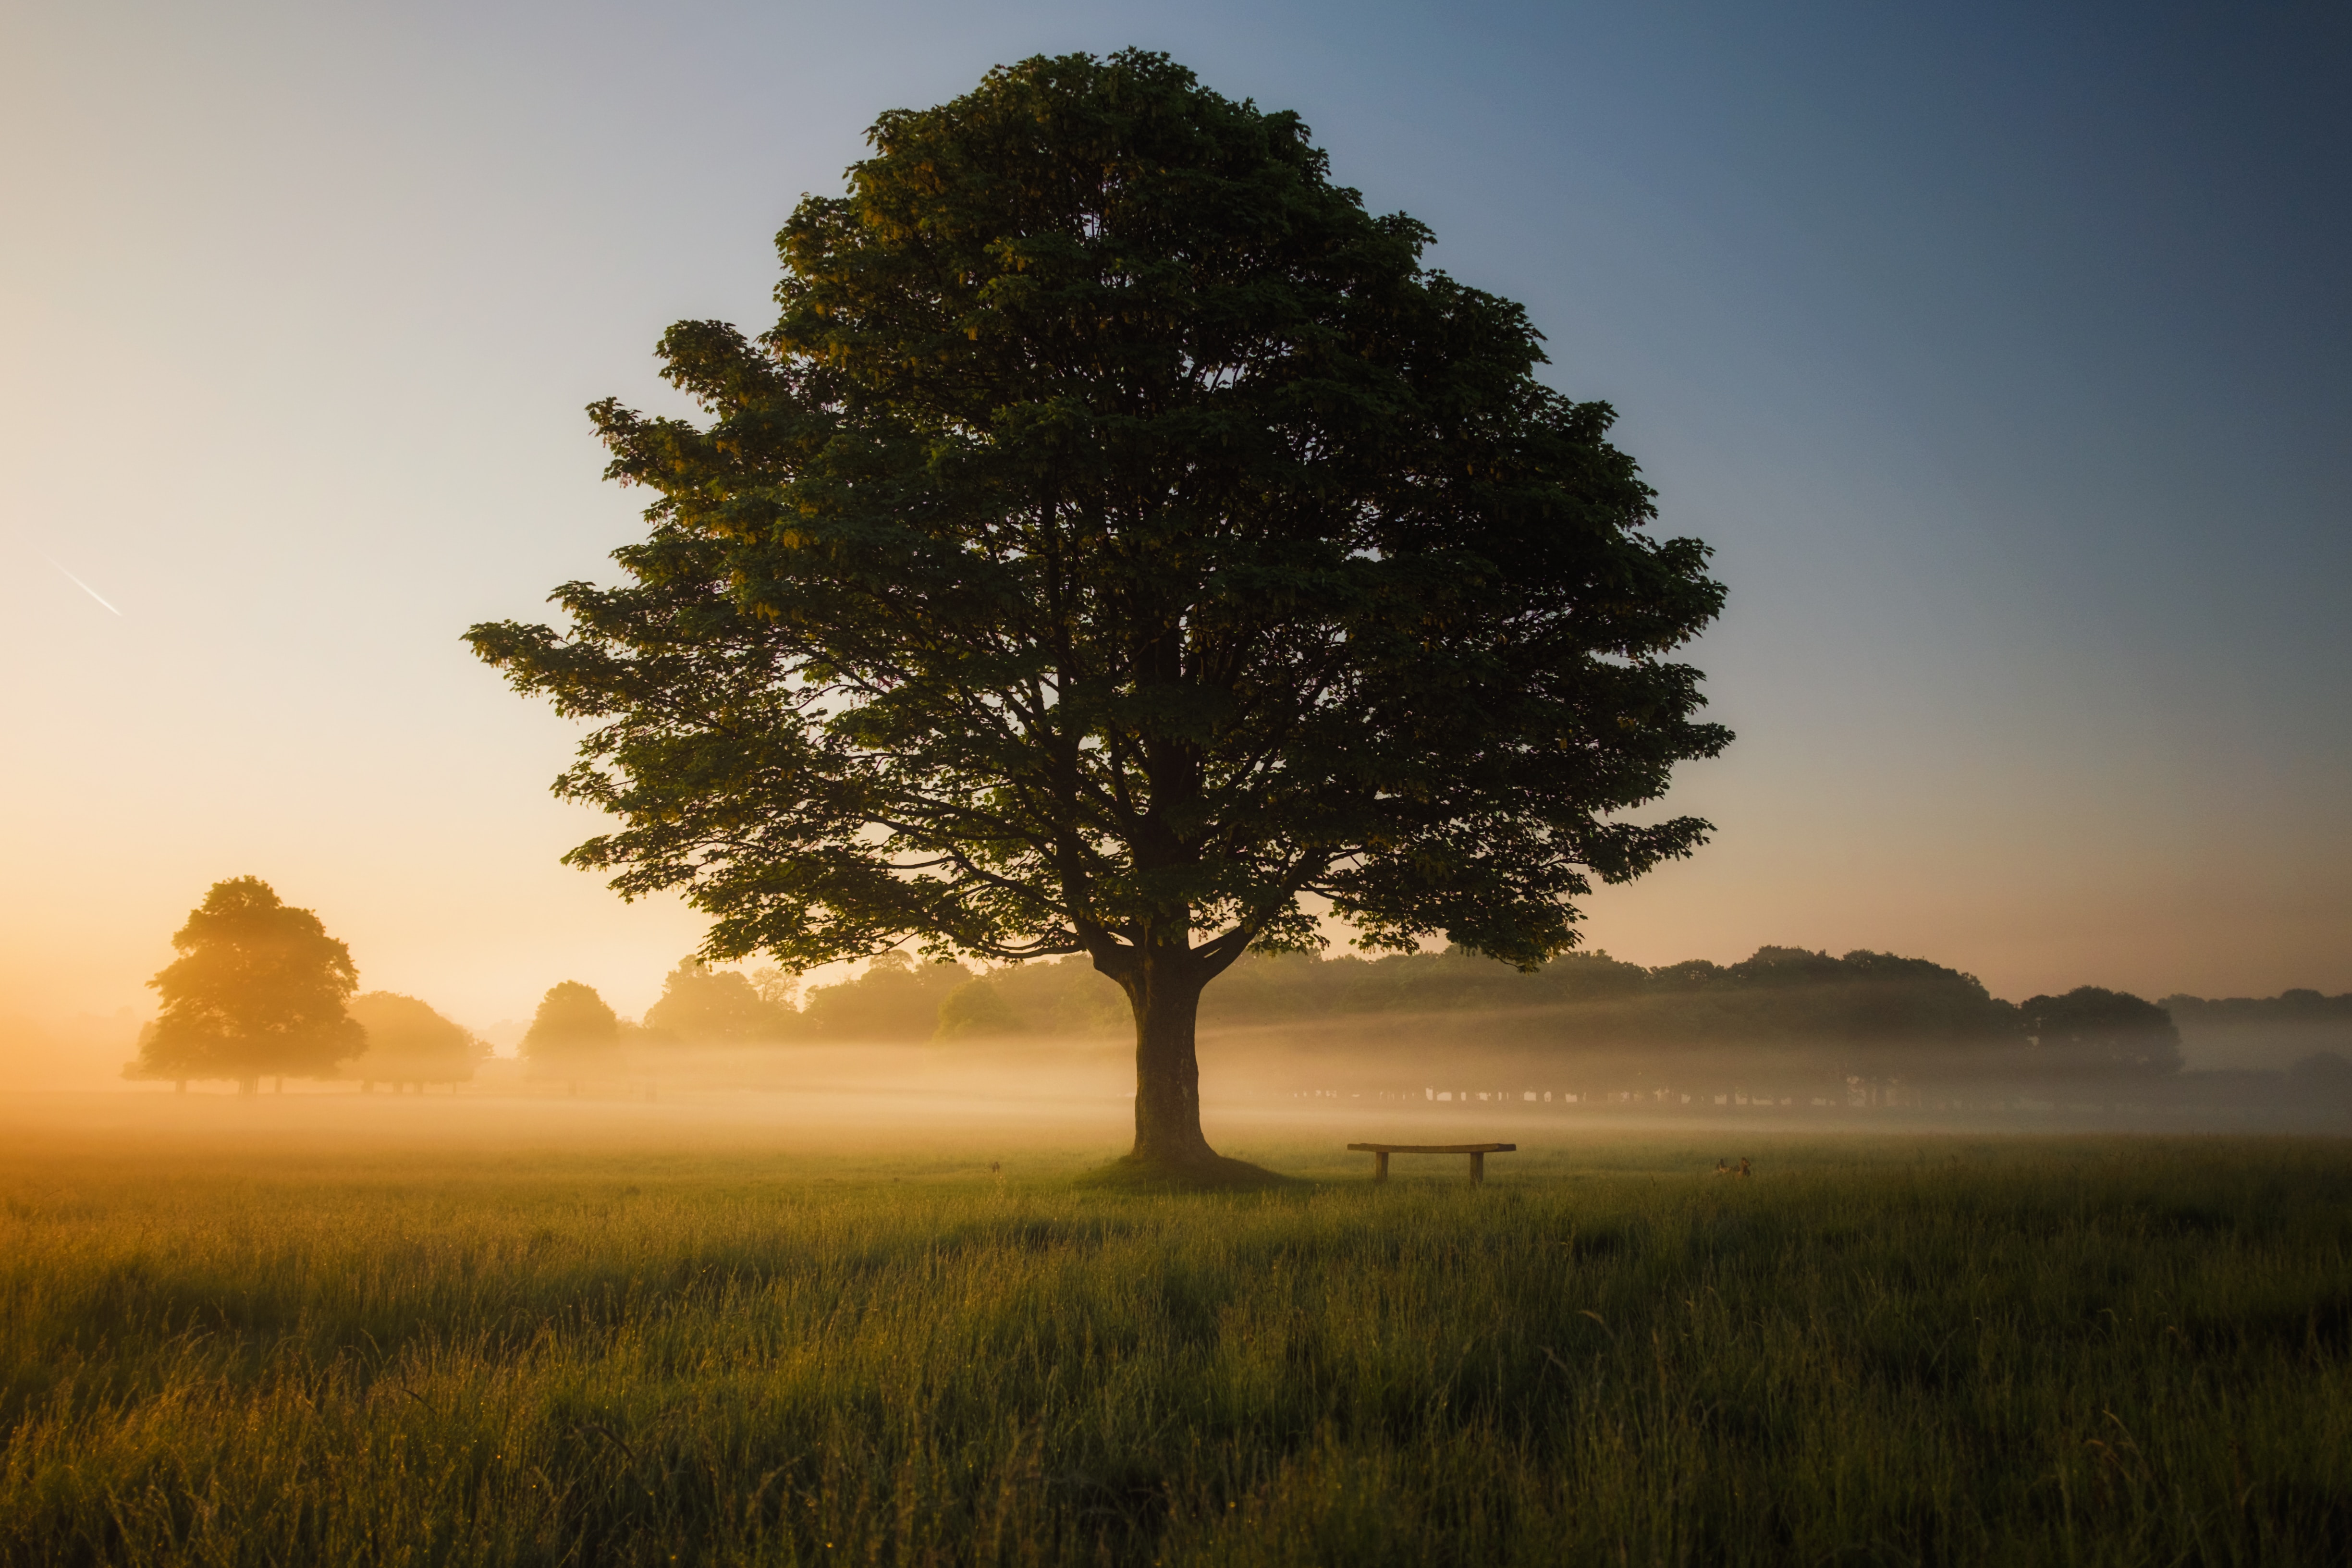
column 1120, row 542
column 259, row 990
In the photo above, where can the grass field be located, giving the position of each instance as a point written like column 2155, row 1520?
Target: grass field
column 1875, row 1351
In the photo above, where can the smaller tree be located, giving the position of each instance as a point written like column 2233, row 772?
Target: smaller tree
column 259, row 991
column 574, row 1035
column 717, row 1006
column 2094, row 1029
column 977, row 1008
column 777, row 987
column 408, row 1042
column 895, row 999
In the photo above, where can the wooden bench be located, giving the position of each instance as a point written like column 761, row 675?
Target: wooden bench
column 1477, row 1152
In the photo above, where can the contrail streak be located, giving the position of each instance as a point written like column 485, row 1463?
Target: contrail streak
column 78, row 582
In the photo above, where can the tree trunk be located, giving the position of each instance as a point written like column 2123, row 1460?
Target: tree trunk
column 1163, row 983
column 1164, row 989
column 248, row 1086
column 180, row 1086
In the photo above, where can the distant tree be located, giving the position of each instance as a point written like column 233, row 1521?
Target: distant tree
column 2300, row 1005
column 895, row 999
column 1690, row 974
column 1794, row 995
column 574, row 1035
column 1120, row 538
column 1777, row 966
column 777, row 987
column 718, row 1007
column 2091, row 1028
column 259, row 991
column 1263, row 987
column 1058, row 996
column 2264, row 1031
column 408, row 1042
column 977, row 1009
column 1780, row 995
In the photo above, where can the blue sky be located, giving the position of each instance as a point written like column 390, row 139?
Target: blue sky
column 2000, row 352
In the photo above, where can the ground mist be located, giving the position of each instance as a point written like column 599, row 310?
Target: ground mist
column 1925, row 1350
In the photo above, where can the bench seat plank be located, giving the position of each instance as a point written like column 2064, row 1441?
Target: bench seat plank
column 1477, row 1152
column 1434, row 1148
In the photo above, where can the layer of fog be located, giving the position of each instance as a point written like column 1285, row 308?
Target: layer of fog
column 1448, row 1077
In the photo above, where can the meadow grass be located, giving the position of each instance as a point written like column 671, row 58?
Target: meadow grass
column 1924, row 1350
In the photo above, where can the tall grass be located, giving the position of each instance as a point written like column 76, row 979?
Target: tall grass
column 2098, row 1351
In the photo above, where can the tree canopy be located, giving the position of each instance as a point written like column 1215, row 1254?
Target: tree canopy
column 2101, row 1029
column 409, row 1042
column 259, row 990
column 1122, row 544
column 575, row 1031
column 717, row 1006
column 894, row 999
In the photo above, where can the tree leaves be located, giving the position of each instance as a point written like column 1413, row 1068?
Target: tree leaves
column 1118, row 537
column 259, row 989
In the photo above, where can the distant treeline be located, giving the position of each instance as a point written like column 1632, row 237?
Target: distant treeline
column 1780, row 997
column 2289, row 1009
column 2302, row 1030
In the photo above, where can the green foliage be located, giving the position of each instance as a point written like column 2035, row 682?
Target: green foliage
column 977, row 1008
column 717, row 1006
column 572, row 1032
column 1942, row 1351
column 1789, row 994
column 259, row 990
column 1780, row 995
column 895, row 999
column 2103, row 1030
column 1119, row 535
column 408, row 1042
column 1062, row 997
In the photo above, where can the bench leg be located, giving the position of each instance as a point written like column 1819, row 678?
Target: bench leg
column 1379, row 1165
column 1477, row 1169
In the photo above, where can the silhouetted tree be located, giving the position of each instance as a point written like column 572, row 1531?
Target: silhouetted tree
column 1119, row 537
column 717, row 1006
column 2093, row 1028
column 408, row 1042
column 259, row 991
column 1864, row 999
column 573, row 1035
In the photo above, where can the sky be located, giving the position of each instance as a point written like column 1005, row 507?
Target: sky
column 2000, row 352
